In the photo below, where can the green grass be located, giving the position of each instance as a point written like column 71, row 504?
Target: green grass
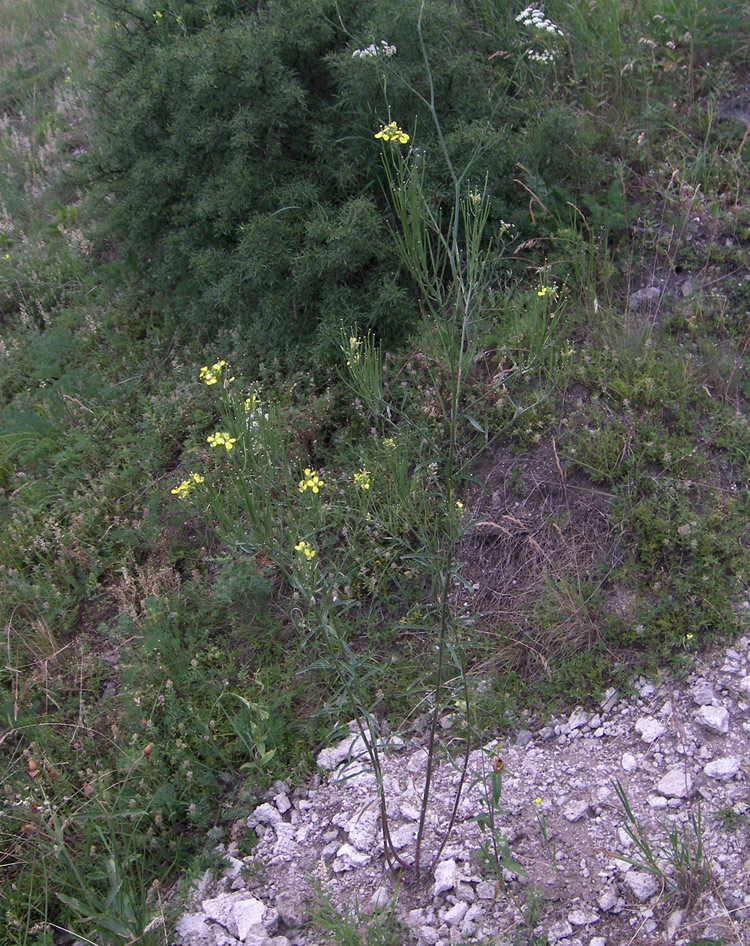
column 145, row 660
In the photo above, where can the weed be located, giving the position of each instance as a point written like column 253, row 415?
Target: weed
column 495, row 850
column 679, row 861
column 353, row 926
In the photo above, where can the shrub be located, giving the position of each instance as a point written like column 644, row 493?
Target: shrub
column 235, row 150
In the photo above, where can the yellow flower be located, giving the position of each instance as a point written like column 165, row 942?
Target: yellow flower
column 392, row 132
column 459, row 505
column 305, row 549
column 362, row 479
column 547, row 291
column 221, row 439
column 182, row 491
column 355, row 345
column 158, row 16
column 537, row 801
column 252, row 403
column 211, row 375
column 311, row 481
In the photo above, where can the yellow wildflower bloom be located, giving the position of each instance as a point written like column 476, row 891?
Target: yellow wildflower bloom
column 355, row 345
column 252, row 403
column 305, row 549
column 311, row 481
column 221, row 439
column 211, row 375
column 183, row 490
column 362, row 479
column 392, row 132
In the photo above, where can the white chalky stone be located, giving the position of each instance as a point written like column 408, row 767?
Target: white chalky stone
column 575, row 810
column 456, row 913
column 220, row 909
column 446, row 876
column 350, row 747
column 348, row 857
column 428, row 936
column 714, row 718
column 642, row 885
column 676, row 783
column 560, row 930
column 582, row 917
column 649, row 729
column 248, row 913
column 607, row 900
column 264, row 814
column 723, row 769
column 628, row 761
column 702, row 693
column 193, row 928
column 579, row 717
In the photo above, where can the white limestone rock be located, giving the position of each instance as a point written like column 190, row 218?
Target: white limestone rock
column 607, row 900
column 446, row 877
column 575, row 810
column 723, row 769
column 560, row 930
column 578, row 718
column 403, row 836
column 264, row 814
column 193, row 930
column 248, row 913
column 351, row 747
column 677, row 783
column 285, row 845
column 220, row 910
column 282, row 802
column 702, row 693
column 362, row 827
column 349, row 858
column 456, row 913
column 428, row 935
column 714, row 719
column 641, row 884
column 583, row 916
column 649, row 729
column 628, row 761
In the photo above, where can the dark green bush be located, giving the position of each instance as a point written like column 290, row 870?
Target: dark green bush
column 235, row 150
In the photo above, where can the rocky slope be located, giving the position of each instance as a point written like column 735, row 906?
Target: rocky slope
column 678, row 750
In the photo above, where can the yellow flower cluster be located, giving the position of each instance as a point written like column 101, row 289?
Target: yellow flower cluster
column 305, row 549
column 211, row 375
column 548, row 291
column 183, row 490
column 311, row 481
column 252, row 403
column 392, row 133
column 362, row 479
column 355, row 353
column 221, row 439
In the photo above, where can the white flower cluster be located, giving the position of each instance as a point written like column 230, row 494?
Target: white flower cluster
column 373, row 51
column 538, row 21
column 545, row 56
